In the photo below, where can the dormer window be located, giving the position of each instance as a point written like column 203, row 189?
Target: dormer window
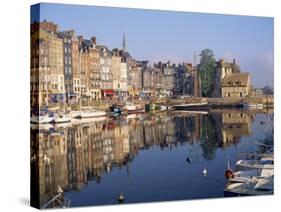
column 230, row 83
column 238, row 82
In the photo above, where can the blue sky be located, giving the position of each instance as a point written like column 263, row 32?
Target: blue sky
column 176, row 36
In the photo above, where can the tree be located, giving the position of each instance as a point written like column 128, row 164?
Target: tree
column 267, row 90
column 207, row 72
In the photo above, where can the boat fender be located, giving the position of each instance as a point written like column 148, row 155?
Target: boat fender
column 228, row 174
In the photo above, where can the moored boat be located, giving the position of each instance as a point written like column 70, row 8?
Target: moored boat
column 88, row 114
column 42, row 118
column 116, row 108
column 263, row 163
column 192, row 106
column 249, row 105
column 62, row 118
column 247, row 186
column 133, row 108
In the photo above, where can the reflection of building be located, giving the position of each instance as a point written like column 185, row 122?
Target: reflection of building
column 73, row 156
column 234, row 125
column 121, row 147
column 188, row 128
column 52, row 160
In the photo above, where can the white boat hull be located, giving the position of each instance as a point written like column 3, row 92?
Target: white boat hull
column 88, row 114
column 253, row 106
column 41, row 119
column 62, row 118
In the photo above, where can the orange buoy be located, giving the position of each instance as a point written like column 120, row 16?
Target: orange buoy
column 228, row 174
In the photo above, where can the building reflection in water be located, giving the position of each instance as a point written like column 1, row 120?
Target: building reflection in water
column 72, row 156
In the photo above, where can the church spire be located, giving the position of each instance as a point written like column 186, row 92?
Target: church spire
column 124, row 42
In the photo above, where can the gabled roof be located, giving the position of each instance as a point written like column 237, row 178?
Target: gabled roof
column 236, row 80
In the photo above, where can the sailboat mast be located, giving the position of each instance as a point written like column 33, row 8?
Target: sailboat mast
column 80, row 78
column 46, row 75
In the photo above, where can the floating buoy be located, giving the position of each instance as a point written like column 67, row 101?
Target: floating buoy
column 228, row 174
column 205, row 172
column 121, row 198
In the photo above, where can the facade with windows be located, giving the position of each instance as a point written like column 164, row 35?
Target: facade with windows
column 67, row 62
column 47, row 64
column 236, row 85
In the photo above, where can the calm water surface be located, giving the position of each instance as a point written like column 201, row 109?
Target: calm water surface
column 148, row 157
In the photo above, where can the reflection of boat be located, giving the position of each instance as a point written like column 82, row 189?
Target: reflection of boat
column 193, row 112
column 62, row 118
column 46, row 126
column 63, row 125
column 132, row 116
column 192, row 106
column 88, row 114
column 88, row 120
column 244, row 186
column 57, row 201
column 252, row 105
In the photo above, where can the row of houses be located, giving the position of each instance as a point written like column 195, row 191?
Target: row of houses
column 69, row 68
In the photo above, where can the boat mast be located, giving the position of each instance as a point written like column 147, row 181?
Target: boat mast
column 46, row 75
column 80, row 74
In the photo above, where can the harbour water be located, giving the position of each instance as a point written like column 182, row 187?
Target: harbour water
column 147, row 157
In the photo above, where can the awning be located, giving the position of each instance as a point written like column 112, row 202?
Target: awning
column 95, row 84
column 107, row 91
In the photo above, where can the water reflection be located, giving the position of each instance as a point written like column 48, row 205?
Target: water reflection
column 72, row 156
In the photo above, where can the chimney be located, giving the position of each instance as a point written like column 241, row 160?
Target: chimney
column 94, row 40
column 80, row 39
column 189, row 65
